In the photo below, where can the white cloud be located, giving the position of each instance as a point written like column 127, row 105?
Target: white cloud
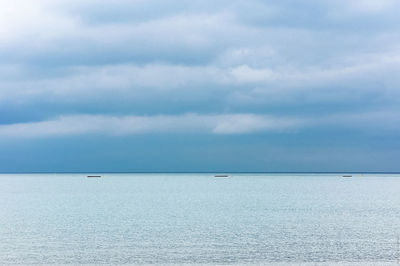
column 380, row 10
column 353, row 68
column 372, row 6
column 48, row 31
column 128, row 125
column 352, row 76
column 379, row 122
column 25, row 22
column 353, row 80
column 57, row 52
column 122, row 81
column 246, row 74
column 248, row 123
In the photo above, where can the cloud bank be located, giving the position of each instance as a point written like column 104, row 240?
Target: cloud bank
column 195, row 55
column 326, row 71
column 193, row 123
column 128, row 125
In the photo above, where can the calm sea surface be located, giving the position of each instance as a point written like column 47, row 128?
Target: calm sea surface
column 255, row 219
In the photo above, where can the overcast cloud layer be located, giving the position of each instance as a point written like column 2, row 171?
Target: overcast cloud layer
column 274, row 76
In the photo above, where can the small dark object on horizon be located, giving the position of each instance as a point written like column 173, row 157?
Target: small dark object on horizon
column 94, row 176
column 221, row 176
column 347, row 176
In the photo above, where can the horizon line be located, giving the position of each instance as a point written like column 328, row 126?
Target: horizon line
column 201, row 172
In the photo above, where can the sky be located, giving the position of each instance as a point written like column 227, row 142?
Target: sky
column 200, row 85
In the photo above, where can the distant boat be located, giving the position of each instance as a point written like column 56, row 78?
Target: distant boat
column 222, row 176
column 94, row 176
column 347, row 176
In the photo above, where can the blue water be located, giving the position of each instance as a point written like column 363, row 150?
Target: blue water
column 199, row 219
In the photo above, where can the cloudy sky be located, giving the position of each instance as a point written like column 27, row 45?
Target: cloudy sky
column 199, row 85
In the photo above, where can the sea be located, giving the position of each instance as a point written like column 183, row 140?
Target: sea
column 200, row 219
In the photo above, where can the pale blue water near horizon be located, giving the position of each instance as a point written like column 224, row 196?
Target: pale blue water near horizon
column 309, row 219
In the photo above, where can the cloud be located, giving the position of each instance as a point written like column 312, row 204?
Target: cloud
column 128, row 125
column 249, row 123
column 304, row 73
column 245, row 73
column 50, row 34
column 360, row 72
column 371, row 6
column 379, row 122
column 146, row 57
